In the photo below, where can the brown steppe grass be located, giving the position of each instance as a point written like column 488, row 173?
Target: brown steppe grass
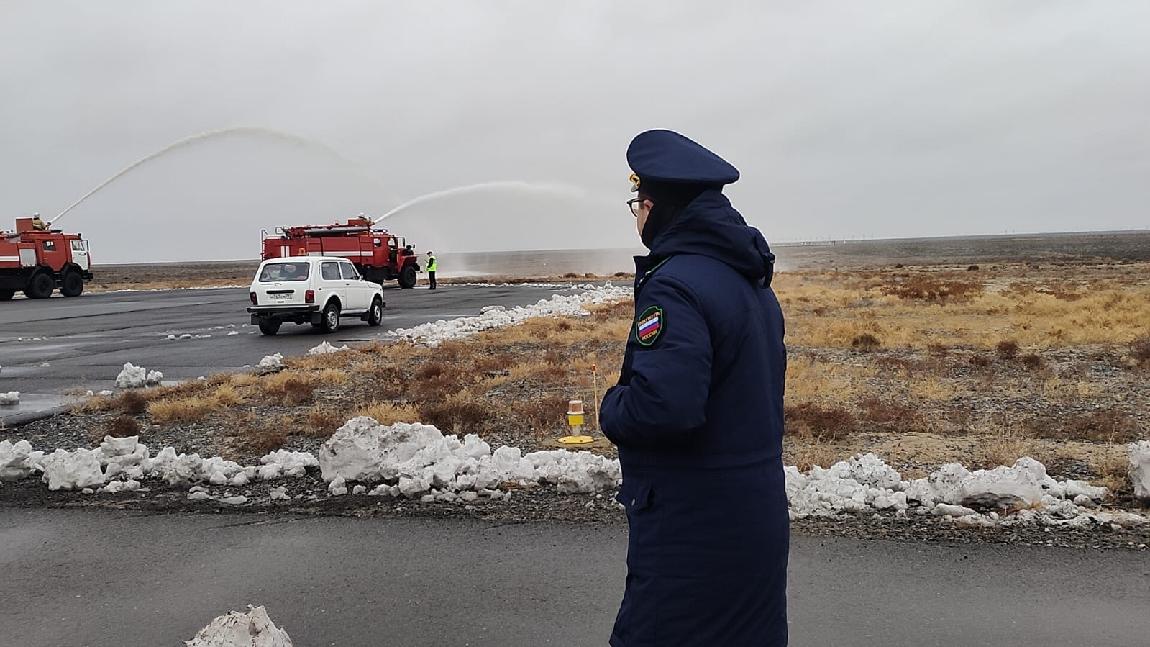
column 920, row 365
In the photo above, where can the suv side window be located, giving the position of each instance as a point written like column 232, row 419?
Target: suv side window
column 349, row 272
column 329, row 271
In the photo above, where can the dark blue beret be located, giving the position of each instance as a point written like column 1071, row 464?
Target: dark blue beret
column 667, row 156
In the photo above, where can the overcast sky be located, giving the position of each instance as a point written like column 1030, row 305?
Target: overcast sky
column 847, row 119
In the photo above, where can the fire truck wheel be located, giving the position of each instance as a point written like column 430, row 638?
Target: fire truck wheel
column 269, row 327
column 40, row 286
column 375, row 315
column 6, row 295
column 407, row 277
column 72, row 285
column 329, row 322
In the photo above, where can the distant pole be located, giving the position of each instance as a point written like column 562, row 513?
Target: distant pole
column 595, row 398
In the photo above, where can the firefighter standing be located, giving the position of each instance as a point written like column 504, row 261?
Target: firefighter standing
column 697, row 414
column 432, row 265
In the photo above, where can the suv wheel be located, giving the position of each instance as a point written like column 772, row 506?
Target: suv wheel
column 375, row 314
column 269, row 326
column 329, row 322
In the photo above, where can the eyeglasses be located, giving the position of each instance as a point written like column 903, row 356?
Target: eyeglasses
column 636, row 206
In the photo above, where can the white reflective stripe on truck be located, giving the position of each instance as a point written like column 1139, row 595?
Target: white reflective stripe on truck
column 9, row 259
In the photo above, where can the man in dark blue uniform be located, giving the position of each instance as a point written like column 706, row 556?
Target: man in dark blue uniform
column 697, row 414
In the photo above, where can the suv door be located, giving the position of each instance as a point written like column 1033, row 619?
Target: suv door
column 331, row 282
column 358, row 295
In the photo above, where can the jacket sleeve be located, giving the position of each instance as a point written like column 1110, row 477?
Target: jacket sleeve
column 665, row 395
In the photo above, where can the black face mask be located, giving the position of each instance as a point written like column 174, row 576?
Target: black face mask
column 669, row 201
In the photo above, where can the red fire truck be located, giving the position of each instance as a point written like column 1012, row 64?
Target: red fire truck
column 36, row 260
column 378, row 255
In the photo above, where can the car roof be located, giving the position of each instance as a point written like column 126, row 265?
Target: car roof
column 305, row 259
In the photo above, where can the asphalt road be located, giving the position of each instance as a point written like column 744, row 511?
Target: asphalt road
column 74, row 577
column 58, row 345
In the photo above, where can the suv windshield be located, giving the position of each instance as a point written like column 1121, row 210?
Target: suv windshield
column 284, row 272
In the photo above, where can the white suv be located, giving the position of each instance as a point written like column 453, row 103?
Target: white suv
column 312, row 289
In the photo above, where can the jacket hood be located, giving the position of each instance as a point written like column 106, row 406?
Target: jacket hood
column 710, row 226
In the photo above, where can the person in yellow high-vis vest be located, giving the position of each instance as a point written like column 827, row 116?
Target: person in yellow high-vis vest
column 432, row 265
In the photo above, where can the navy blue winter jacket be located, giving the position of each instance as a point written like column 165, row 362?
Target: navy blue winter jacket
column 697, row 416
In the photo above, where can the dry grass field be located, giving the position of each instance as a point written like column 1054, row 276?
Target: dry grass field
column 922, row 365
column 206, row 274
column 973, row 364
column 171, row 276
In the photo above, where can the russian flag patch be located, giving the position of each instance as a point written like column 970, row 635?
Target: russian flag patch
column 649, row 325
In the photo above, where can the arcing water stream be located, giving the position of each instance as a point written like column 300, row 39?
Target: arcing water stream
column 562, row 189
column 519, row 186
column 212, row 134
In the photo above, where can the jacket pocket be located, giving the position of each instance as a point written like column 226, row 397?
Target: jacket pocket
column 636, row 496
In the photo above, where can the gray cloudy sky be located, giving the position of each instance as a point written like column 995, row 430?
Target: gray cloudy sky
column 847, row 119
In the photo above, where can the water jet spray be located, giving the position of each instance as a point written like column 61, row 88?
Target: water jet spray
column 210, row 134
column 563, row 189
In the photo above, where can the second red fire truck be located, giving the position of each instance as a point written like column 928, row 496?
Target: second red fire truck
column 378, row 255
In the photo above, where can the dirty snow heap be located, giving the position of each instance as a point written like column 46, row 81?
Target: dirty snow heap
column 325, row 348
column 135, row 377
column 418, row 460
column 1140, row 468
column 251, row 629
column 1020, row 494
column 120, row 464
column 270, row 364
column 435, row 333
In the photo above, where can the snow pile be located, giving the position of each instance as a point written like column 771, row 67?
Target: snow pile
column 1139, row 468
column 413, row 460
column 178, row 469
column 123, row 463
column 284, row 463
column 420, row 462
column 326, row 348
column 75, row 470
column 576, row 472
column 829, row 492
column 490, row 317
column 1021, row 493
column 271, row 363
column 1017, row 487
column 250, row 629
column 132, row 377
column 123, row 456
column 9, row 399
column 135, row 377
column 17, row 460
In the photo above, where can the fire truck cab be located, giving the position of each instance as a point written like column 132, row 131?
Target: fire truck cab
column 36, row 260
column 377, row 254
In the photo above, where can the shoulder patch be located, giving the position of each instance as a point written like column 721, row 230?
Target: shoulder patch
column 649, row 326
